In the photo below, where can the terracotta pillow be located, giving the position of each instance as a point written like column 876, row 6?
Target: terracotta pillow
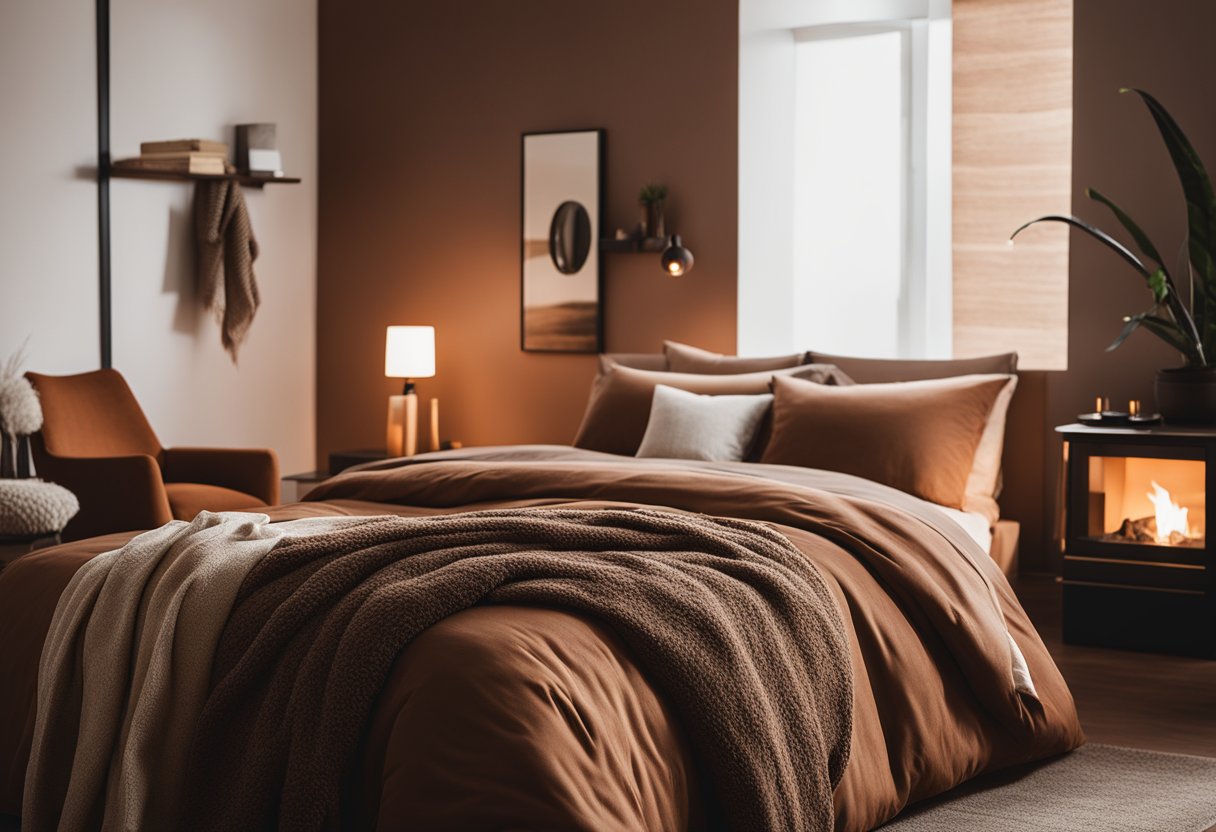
column 636, row 360
column 917, row 436
column 619, row 408
column 682, row 358
column 984, row 484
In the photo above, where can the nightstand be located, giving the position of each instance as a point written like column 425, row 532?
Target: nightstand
column 339, row 461
column 1139, row 568
column 295, row 486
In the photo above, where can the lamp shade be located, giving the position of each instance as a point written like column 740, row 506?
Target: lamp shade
column 409, row 352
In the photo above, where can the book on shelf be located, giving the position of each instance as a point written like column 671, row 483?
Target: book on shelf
column 194, row 163
column 184, row 145
column 186, row 154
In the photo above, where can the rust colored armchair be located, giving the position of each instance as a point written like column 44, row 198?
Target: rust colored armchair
column 96, row 442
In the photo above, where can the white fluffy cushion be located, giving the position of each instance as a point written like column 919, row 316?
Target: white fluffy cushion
column 687, row 425
column 31, row 507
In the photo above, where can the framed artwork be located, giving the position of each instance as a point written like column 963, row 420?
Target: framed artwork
column 560, row 266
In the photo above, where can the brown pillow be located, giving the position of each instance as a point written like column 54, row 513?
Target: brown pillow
column 917, row 436
column 637, row 360
column 881, row 370
column 682, row 358
column 619, row 408
column 984, row 484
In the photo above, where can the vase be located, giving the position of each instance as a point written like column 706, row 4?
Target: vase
column 655, row 224
column 8, row 464
column 1187, row 395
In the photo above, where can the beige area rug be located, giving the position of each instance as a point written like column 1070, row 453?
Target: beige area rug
column 1096, row 787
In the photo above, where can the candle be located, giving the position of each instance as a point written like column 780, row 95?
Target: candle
column 1133, row 407
column 1102, row 404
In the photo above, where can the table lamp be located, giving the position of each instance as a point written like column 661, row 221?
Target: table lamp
column 409, row 353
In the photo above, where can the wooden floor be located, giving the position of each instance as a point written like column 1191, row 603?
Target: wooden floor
column 1141, row 700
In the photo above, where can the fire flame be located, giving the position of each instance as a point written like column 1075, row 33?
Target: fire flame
column 1171, row 517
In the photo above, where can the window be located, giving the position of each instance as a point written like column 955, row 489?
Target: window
column 851, row 192
column 887, row 149
column 844, row 178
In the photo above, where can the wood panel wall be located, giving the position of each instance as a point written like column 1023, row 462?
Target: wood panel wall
column 1012, row 162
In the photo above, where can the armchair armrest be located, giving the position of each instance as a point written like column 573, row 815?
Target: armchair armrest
column 116, row 493
column 253, row 470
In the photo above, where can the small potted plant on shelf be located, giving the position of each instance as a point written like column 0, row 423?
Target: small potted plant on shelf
column 651, row 199
column 1185, row 318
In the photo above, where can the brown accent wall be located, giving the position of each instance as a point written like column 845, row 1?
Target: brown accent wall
column 1163, row 47
column 420, row 114
column 421, row 110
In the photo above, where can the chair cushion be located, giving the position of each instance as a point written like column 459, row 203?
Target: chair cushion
column 187, row 499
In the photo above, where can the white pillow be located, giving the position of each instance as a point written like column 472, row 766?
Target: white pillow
column 687, row 425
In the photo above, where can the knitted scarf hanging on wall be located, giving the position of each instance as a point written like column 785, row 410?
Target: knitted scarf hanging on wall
column 226, row 251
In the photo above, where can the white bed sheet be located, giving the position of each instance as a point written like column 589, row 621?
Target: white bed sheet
column 973, row 523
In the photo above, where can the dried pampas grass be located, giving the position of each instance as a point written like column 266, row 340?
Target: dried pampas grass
column 20, row 411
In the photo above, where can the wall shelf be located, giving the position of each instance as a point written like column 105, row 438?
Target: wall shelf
column 634, row 245
column 246, row 180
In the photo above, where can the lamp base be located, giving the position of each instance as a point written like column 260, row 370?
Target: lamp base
column 402, row 435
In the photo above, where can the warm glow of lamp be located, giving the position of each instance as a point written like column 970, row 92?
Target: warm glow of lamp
column 409, row 353
column 676, row 259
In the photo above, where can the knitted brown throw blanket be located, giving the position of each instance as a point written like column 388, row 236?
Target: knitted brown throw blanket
column 227, row 248
column 728, row 620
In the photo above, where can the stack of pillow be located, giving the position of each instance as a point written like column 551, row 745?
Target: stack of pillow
column 934, row 429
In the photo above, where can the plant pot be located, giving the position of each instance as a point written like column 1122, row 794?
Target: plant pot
column 1187, row 395
column 655, row 224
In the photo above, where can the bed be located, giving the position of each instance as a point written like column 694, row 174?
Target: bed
column 520, row 710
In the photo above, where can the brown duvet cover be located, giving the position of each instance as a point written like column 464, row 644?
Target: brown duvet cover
column 506, row 716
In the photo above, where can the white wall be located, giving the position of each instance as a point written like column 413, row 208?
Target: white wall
column 48, row 210
column 177, row 69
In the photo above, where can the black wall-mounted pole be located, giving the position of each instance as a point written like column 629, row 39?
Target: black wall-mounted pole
column 103, row 178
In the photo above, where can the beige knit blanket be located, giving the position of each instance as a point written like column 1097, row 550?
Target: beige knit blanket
column 226, row 251
column 126, row 667
column 731, row 623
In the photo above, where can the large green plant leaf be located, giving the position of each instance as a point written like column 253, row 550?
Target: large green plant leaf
column 1157, row 281
column 1142, row 239
column 1097, row 233
column 1200, row 209
column 1163, row 328
column 1160, row 281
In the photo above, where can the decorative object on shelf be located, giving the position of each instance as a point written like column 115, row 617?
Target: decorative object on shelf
column 257, row 151
column 676, row 259
column 181, row 156
column 1104, row 416
column 20, row 418
column 409, row 353
column 187, row 160
column 651, row 198
column 560, row 261
column 1186, row 321
column 226, row 246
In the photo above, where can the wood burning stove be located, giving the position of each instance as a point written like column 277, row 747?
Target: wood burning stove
column 1139, row 570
